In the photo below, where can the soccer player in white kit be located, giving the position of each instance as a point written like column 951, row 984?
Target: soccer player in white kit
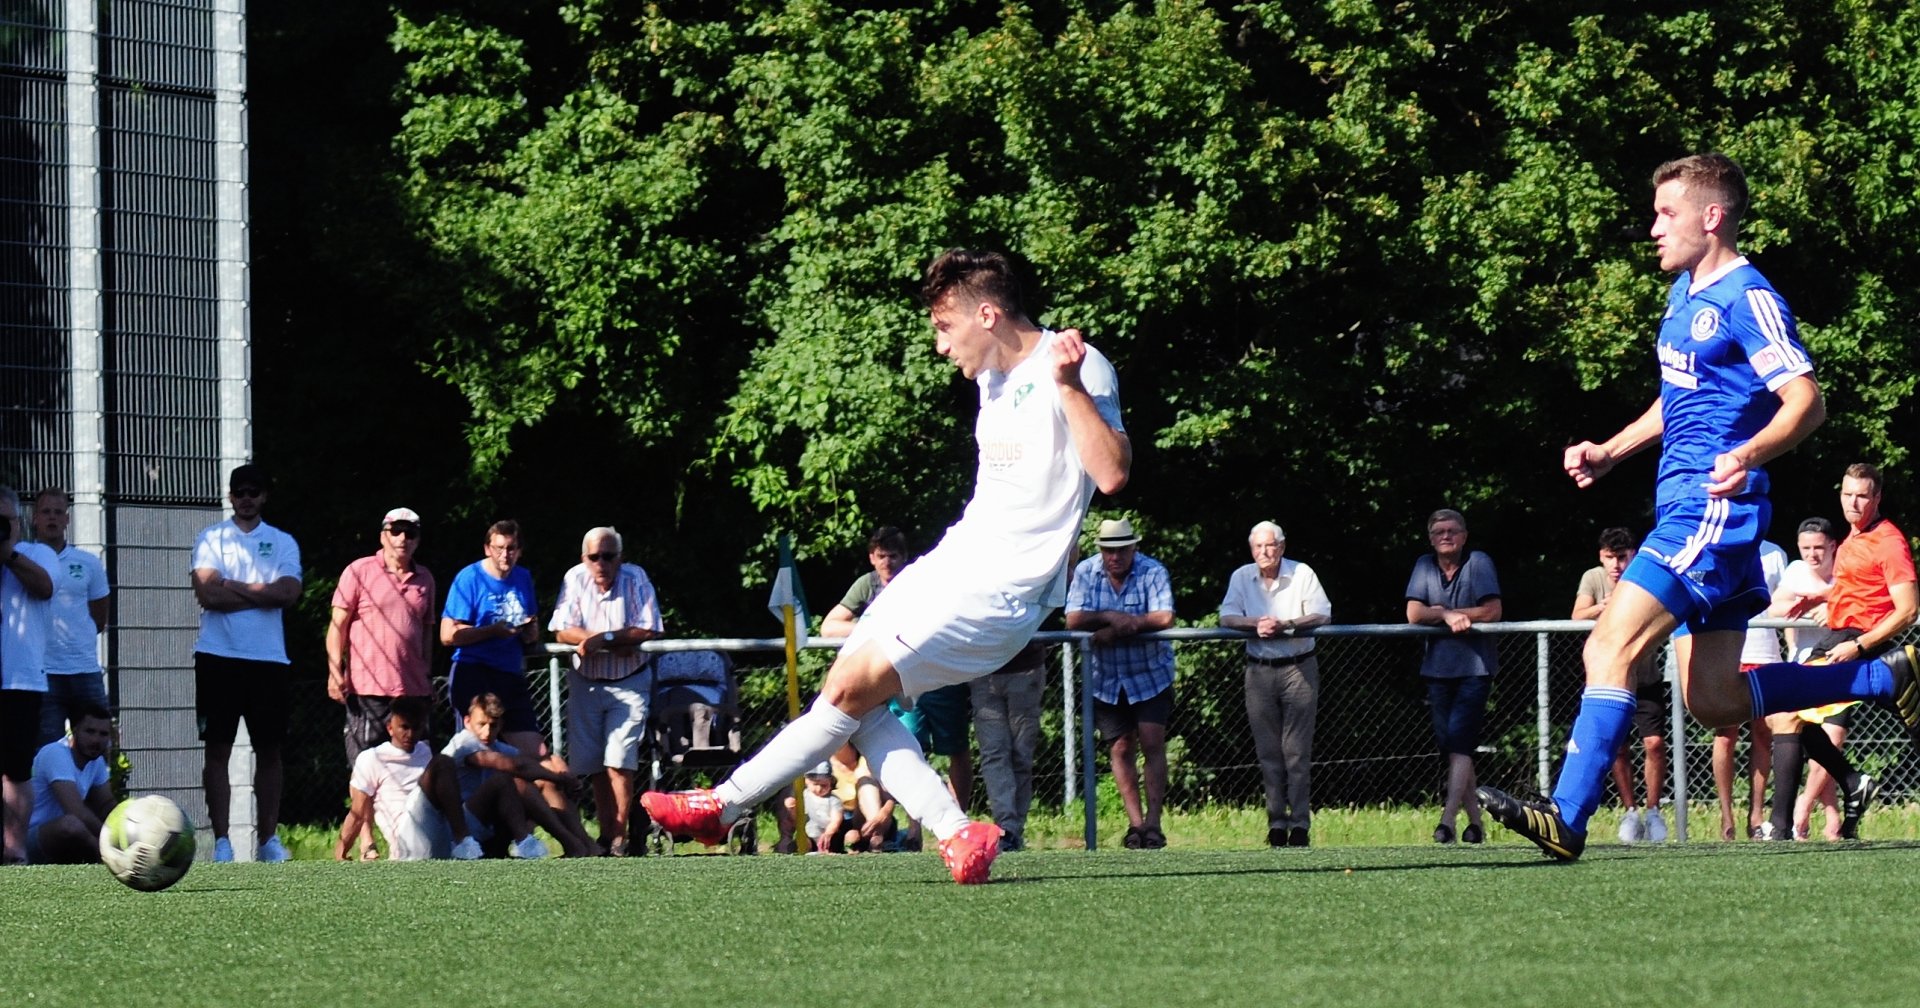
column 1048, row 433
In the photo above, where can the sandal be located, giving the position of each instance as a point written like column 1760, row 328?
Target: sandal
column 1153, row 839
column 1472, row 834
column 1443, row 834
column 1136, row 838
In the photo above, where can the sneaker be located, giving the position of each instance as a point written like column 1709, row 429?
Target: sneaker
column 274, row 852
column 1656, row 826
column 1537, row 819
column 621, row 848
column 529, row 847
column 468, row 849
column 1297, row 837
column 694, row 814
column 969, row 853
column 1633, row 826
column 1859, row 793
column 1906, row 691
column 1011, row 842
column 1472, row 834
column 1277, row 836
column 1765, row 833
column 222, row 849
column 1443, row 834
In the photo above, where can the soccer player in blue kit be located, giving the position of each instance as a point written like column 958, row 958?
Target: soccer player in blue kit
column 1737, row 391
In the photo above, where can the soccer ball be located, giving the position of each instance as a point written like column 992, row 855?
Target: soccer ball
column 147, row 843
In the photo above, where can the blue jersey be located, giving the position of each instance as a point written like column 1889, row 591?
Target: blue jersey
column 1725, row 349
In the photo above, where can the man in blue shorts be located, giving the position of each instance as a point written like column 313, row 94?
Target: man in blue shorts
column 1737, row 391
column 1048, row 433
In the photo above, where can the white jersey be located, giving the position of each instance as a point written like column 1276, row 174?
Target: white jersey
column 262, row 556
column 390, row 775
column 73, row 645
column 1763, row 645
column 1031, row 491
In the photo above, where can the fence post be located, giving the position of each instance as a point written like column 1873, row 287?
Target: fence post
column 1068, row 720
column 1543, row 702
column 1088, row 784
column 553, row 704
column 1677, row 734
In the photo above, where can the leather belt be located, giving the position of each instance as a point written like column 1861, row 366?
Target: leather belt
column 1280, row 662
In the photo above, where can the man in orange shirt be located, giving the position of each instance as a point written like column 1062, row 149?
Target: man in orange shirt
column 1873, row 601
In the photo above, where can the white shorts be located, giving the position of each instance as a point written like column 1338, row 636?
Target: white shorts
column 935, row 635
column 605, row 722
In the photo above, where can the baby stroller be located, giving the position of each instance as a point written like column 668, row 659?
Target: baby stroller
column 693, row 730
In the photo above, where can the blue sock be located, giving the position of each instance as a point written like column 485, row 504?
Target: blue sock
column 1785, row 686
column 1606, row 712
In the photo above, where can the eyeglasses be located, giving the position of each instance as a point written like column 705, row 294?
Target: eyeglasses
column 405, row 531
column 603, row 557
column 248, row 492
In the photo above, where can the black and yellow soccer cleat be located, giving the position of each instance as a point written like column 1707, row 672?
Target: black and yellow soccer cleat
column 1906, row 690
column 1535, row 818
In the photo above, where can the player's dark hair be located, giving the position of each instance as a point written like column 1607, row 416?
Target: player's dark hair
column 506, row 527
column 1714, row 177
column 974, row 275
column 1816, row 524
column 1618, row 541
column 87, row 709
column 412, row 709
column 888, row 538
column 1865, row 471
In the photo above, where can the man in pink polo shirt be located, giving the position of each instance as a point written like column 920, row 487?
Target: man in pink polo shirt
column 381, row 638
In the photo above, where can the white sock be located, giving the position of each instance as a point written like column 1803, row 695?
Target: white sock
column 798, row 748
column 896, row 759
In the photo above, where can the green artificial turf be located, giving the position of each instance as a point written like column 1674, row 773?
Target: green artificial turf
column 1705, row 924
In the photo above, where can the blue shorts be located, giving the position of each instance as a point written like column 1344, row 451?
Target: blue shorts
column 1458, row 708
column 1702, row 561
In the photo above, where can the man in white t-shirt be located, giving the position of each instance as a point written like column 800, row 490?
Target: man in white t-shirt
column 26, row 585
column 407, row 789
column 1048, row 434
column 245, row 572
column 1762, row 648
column 71, row 791
column 78, row 613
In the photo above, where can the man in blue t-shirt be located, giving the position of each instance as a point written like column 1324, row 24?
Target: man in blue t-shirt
column 1737, row 391
column 489, row 619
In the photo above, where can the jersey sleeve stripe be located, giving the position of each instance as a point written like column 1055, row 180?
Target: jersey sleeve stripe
column 1771, row 318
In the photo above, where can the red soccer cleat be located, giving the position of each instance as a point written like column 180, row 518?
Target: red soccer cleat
column 687, row 813
column 969, row 853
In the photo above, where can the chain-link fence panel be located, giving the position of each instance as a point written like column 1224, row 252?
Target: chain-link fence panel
column 1373, row 744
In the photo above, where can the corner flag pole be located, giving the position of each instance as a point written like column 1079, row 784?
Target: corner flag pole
column 789, row 603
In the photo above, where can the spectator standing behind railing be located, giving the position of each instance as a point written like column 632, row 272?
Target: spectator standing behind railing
column 380, row 640
column 607, row 608
column 1872, row 602
column 489, row 619
column 1638, row 823
column 1456, row 588
column 1762, row 648
column 1120, row 593
column 1275, row 598
column 78, row 613
column 1006, row 716
column 245, row 572
column 1802, row 594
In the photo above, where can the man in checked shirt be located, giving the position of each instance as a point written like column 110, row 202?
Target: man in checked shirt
column 1120, row 593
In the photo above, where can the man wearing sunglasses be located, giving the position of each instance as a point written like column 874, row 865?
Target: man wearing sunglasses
column 381, row 638
column 245, row 572
column 606, row 608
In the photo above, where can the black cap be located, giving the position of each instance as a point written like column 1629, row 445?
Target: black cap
column 249, row 475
